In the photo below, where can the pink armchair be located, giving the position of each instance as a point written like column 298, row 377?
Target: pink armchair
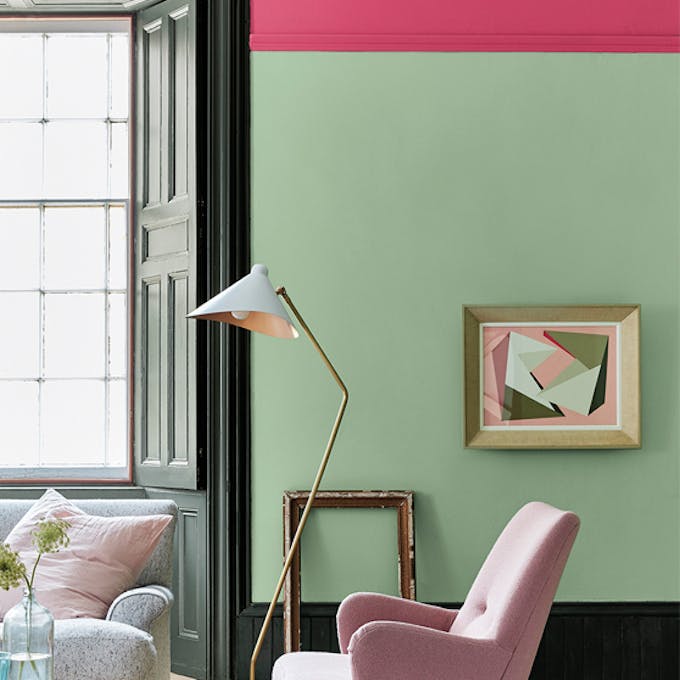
column 494, row 636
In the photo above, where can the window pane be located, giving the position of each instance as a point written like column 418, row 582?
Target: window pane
column 75, row 159
column 118, row 248
column 75, row 248
column 64, row 338
column 120, row 76
column 19, row 424
column 118, row 423
column 117, row 335
column 20, row 336
column 19, row 248
column 76, row 76
column 74, row 335
column 119, row 160
column 20, row 160
column 73, row 422
column 22, row 88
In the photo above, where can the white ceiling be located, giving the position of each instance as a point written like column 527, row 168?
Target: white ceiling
column 73, row 5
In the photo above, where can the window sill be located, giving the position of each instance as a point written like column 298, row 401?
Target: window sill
column 30, row 491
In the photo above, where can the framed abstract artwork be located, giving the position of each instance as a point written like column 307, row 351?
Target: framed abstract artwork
column 552, row 377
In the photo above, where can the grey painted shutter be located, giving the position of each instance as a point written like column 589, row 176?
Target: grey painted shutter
column 165, row 245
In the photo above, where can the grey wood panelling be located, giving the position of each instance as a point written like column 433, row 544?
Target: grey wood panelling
column 166, row 241
column 182, row 410
column 189, row 623
column 581, row 641
column 151, row 370
column 188, row 577
column 152, row 51
column 179, row 36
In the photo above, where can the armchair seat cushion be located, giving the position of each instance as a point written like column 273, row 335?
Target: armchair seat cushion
column 312, row 666
column 101, row 650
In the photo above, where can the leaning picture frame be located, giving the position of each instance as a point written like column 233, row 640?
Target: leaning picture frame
column 293, row 505
column 559, row 377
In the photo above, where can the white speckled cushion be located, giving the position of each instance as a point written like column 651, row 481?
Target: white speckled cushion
column 101, row 650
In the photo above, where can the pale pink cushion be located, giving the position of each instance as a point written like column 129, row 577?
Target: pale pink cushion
column 104, row 558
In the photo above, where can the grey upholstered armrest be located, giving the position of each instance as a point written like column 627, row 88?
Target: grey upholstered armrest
column 93, row 649
column 140, row 607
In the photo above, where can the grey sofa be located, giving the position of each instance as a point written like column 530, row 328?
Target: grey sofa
column 133, row 643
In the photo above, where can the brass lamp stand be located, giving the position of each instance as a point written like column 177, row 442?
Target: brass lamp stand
column 253, row 304
column 315, row 486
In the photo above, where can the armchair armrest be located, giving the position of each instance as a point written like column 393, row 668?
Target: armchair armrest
column 385, row 650
column 361, row 608
column 140, row 607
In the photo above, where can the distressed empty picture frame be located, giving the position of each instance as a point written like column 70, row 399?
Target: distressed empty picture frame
column 293, row 505
column 562, row 377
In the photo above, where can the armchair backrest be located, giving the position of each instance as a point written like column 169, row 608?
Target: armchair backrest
column 510, row 599
column 158, row 570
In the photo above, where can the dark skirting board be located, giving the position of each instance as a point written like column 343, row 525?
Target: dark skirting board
column 582, row 641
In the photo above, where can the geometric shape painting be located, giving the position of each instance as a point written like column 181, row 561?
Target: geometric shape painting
column 549, row 372
column 571, row 380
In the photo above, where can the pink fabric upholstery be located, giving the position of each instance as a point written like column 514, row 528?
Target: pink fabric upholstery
column 388, row 650
column 494, row 636
column 510, row 599
column 361, row 608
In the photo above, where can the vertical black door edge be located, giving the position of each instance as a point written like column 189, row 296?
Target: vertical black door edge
column 224, row 367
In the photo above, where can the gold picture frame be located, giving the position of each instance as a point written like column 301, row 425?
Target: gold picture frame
column 563, row 344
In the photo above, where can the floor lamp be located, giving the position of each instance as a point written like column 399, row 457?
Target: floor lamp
column 252, row 303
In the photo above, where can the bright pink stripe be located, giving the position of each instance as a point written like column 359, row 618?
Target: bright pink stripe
column 476, row 17
column 467, row 25
column 465, row 43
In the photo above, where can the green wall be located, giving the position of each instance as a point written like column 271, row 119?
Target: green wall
column 387, row 191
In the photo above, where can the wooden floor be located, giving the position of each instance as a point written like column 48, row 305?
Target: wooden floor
column 178, row 677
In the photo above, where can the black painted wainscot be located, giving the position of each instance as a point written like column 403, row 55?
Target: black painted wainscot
column 582, row 641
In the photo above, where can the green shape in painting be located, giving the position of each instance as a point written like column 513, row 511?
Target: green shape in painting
column 518, row 406
column 588, row 348
column 576, row 393
column 601, row 385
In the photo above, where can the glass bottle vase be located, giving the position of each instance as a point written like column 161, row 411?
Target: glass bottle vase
column 28, row 636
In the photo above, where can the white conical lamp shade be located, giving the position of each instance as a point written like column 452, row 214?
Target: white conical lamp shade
column 250, row 303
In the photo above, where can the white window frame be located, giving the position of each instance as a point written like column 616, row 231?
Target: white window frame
column 83, row 474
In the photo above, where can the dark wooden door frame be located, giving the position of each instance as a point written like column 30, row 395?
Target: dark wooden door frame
column 224, row 367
